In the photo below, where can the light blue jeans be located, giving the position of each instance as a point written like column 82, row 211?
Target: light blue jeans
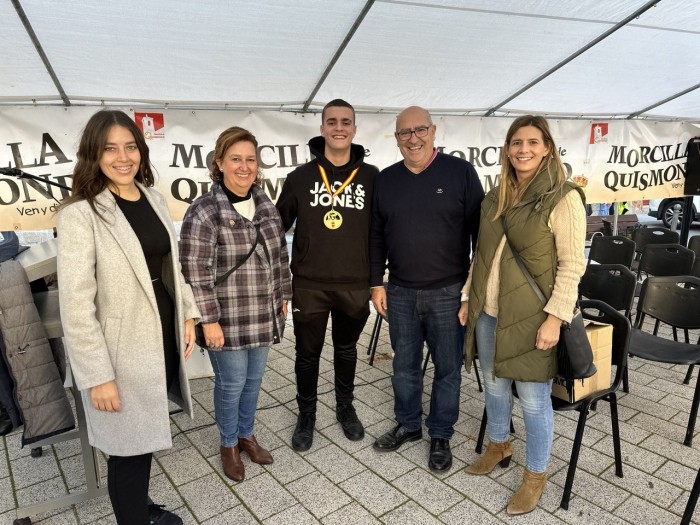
column 237, row 379
column 535, row 400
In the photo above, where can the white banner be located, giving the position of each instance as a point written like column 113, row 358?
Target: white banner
column 613, row 160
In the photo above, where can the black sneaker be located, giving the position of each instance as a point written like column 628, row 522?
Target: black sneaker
column 352, row 428
column 303, row 436
column 157, row 515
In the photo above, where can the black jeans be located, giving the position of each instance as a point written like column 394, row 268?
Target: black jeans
column 349, row 310
column 127, row 484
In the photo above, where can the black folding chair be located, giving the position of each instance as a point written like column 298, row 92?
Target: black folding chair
column 674, row 301
column 661, row 260
column 612, row 250
column 603, row 313
column 613, row 284
column 653, row 235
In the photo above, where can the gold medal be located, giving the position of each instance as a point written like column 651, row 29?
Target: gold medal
column 332, row 220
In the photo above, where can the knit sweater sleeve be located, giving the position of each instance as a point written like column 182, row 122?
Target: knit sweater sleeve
column 568, row 223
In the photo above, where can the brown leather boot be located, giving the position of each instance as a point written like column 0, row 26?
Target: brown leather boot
column 233, row 466
column 496, row 454
column 257, row 454
column 528, row 495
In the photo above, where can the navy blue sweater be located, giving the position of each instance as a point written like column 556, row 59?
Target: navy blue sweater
column 425, row 224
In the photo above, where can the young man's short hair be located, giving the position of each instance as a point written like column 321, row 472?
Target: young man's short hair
column 337, row 103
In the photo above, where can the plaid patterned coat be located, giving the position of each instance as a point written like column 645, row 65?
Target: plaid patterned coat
column 213, row 239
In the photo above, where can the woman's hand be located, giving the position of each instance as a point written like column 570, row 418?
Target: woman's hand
column 548, row 333
column 106, row 397
column 213, row 335
column 189, row 337
column 463, row 313
column 285, row 309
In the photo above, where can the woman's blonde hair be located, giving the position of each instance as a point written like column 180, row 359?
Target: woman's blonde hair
column 509, row 191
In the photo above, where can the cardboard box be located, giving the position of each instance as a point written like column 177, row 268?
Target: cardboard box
column 600, row 336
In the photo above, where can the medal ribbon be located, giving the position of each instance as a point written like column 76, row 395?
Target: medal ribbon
column 337, row 192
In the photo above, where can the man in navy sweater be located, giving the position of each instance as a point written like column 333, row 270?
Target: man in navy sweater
column 425, row 219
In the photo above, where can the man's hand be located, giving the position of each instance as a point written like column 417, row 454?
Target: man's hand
column 463, row 313
column 379, row 300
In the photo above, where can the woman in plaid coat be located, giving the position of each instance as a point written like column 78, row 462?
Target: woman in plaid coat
column 235, row 225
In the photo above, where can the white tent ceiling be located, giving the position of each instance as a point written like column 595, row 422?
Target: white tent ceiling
column 570, row 58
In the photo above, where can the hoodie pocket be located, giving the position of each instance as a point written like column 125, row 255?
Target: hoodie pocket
column 334, row 259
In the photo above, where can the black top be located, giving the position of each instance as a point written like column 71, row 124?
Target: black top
column 426, row 223
column 150, row 231
column 323, row 258
column 232, row 197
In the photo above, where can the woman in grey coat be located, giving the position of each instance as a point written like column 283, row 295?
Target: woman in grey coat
column 128, row 316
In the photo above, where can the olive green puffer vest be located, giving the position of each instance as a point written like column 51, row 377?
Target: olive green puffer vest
column 520, row 312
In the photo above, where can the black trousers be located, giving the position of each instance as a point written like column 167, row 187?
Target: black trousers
column 127, row 483
column 349, row 310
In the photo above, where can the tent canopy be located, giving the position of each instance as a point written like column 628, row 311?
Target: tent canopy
column 564, row 58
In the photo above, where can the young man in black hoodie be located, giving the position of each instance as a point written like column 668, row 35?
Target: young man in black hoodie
column 330, row 198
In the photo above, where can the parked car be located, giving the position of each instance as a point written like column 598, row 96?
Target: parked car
column 664, row 208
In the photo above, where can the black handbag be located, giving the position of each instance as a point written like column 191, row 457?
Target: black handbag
column 574, row 353
column 198, row 329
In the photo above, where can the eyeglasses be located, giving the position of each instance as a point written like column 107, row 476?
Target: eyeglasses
column 405, row 134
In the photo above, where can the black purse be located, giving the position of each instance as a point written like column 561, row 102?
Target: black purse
column 574, row 353
column 198, row 329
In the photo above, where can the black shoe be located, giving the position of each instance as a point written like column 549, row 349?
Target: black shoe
column 393, row 439
column 157, row 515
column 352, row 428
column 440, row 455
column 303, row 436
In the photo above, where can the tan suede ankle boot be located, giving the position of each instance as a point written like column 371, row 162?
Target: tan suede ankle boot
column 528, row 495
column 496, row 454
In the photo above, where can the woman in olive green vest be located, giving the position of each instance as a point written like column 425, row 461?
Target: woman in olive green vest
column 545, row 220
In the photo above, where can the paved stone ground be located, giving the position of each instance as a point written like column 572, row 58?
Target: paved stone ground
column 343, row 482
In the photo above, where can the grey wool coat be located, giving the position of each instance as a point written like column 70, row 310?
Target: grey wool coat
column 111, row 324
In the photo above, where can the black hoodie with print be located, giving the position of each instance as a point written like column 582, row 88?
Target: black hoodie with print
column 324, row 258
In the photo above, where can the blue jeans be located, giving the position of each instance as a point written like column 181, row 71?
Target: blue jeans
column 237, row 379
column 535, row 400
column 416, row 316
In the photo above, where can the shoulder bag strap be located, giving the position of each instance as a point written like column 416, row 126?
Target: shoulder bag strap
column 223, row 277
column 521, row 265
